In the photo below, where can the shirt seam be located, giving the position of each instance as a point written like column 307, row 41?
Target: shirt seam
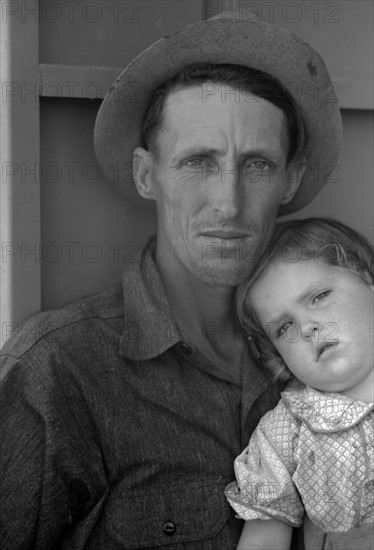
column 55, row 329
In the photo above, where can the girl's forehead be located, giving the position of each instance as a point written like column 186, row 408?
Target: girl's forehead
column 289, row 277
column 281, row 276
column 282, row 283
column 298, row 267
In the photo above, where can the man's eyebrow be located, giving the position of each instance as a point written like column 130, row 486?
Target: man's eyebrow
column 197, row 150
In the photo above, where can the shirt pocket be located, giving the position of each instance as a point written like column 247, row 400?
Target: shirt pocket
column 172, row 513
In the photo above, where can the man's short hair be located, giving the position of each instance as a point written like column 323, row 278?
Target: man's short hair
column 321, row 240
column 250, row 80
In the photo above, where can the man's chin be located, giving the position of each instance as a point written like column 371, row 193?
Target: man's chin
column 219, row 273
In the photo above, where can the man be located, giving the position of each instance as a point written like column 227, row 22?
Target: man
column 122, row 418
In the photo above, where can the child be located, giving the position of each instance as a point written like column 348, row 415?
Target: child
column 308, row 310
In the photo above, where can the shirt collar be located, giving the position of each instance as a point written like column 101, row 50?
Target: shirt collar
column 150, row 327
column 324, row 412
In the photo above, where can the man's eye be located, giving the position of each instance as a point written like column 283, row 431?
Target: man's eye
column 321, row 296
column 201, row 164
column 194, row 162
column 283, row 329
column 259, row 165
column 257, row 169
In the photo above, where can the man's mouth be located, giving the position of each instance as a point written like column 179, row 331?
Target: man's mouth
column 321, row 350
column 219, row 234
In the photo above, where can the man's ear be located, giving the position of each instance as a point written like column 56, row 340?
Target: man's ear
column 142, row 171
column 294, row 175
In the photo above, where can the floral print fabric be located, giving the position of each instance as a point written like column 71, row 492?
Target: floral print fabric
column 313, row 453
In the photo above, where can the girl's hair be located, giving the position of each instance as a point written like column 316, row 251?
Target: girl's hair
column 318, row 239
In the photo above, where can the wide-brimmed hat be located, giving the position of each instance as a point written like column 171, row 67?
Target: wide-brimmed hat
column 224, row 40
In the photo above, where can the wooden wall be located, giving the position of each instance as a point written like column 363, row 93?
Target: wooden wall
column 65, row 232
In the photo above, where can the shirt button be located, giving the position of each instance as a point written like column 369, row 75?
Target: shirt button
column 79, row 495
column 185, row 348
column 169, row 528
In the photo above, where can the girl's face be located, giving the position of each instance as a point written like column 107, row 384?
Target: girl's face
column 320, row 319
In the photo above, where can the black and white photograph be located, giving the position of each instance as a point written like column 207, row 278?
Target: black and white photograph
column 187, row 275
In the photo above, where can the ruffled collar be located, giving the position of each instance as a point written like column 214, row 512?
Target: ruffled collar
column 324, row 412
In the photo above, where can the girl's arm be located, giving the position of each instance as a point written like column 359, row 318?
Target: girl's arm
column 271, row 534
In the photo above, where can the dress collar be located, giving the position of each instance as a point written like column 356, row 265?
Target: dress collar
column 324, row 412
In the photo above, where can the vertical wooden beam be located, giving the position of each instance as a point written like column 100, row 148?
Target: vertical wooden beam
column 20, row 267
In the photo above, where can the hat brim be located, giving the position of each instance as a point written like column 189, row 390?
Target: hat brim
column 253, row 44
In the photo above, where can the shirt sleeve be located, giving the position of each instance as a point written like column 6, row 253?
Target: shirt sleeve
column 264, row 488
column 50, row 476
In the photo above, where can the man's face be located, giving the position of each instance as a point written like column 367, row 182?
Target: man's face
column 218, row 178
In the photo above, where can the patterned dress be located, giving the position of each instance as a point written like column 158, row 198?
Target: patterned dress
column 312, row 454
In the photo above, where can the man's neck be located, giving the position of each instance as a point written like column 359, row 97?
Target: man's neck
column 205, row 315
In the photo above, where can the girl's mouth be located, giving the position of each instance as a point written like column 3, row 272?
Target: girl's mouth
column 323, row 347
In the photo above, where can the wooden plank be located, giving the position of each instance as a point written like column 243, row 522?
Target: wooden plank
column 354, row 94
column 20, row 288
column 341, row 31
column 94, row 82
column 108, row 33
column 76, row 81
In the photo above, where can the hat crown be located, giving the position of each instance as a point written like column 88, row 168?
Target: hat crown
column 224, row 38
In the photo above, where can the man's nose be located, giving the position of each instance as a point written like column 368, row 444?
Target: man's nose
column 226, row 195
column 310, row 330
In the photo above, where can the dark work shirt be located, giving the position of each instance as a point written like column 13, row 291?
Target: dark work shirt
column 117, row 434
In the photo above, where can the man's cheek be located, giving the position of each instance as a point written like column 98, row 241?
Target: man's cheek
column 187, row 182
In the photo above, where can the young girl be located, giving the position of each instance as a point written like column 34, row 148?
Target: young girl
column 308, row 310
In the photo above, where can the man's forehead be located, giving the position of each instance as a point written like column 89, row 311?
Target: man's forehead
column 193, row 119
column 209, row 92
column 222, row 98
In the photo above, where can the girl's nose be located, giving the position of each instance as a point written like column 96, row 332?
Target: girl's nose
column 310, row 330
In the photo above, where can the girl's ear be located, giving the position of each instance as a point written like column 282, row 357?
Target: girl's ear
column 142, row 172
column 294, row 175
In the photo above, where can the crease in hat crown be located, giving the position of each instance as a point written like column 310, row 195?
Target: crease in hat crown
column 222, row 39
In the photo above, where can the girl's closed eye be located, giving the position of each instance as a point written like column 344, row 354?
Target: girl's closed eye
column 321, row 296
column 283, row 329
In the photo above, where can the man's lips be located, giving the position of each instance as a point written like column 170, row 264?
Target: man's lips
column 219, row 234
column 323, row 349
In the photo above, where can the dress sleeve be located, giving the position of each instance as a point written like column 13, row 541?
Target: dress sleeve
column 264, row 488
